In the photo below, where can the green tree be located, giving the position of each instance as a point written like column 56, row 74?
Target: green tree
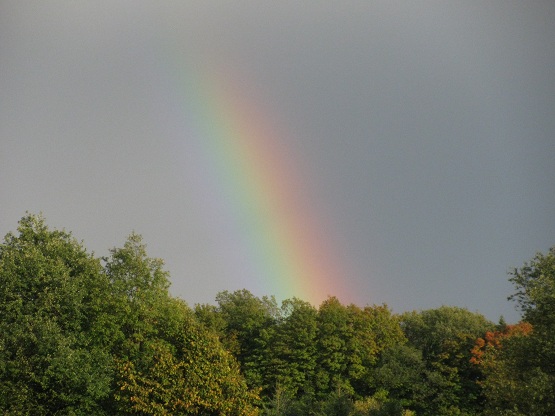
column 289, row 358
column 402, row 373
column 374, row 329
column 520, row 369
column 350, row 340
column 167, row 362
column 139, row 296
column 333, row 335
column 247, row 319
column 319, row 360
column 211, row 318
column 498, row 354
column 446, row 337
column 52, row 358
column 77, row 337
column 192, row 375
column 535, row 285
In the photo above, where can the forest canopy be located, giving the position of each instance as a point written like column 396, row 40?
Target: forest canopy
column 81, row 334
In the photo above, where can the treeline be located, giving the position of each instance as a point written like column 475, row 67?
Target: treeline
column 102, row 336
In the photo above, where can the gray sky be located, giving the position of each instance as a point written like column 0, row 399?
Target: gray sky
column 424, row 132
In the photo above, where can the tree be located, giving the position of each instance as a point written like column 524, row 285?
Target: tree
column 446, row 336
column 192, row 375
column 247, row 320
column 80, row 338
column 139, row 296
column 51, row 348
column 493, row 340
column 535, row 285
column 519, row 362
column 211, row 318
column 167, row 362
column 333, row 335
column 497, row 355
column 374, row 330
column 289, row 358
column 402, row 374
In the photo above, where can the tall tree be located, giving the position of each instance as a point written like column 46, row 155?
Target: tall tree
column 167, row 363
column 52, row 356
column 247, row 319
column 497, row 354
column 535, row 285
column 80, row 338
column 350, row 339
column 402, row 377
column 519, row 362
column 333, row 334
column 374, row 330
column 290, row 355
column 139, row 291
column 446, row 336
column 186, row 371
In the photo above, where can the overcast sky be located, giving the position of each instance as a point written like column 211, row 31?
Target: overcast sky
column 424, row 132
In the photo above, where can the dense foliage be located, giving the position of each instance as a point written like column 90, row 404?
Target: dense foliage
column 520, row 360
column 102, row 336
column 82, row 335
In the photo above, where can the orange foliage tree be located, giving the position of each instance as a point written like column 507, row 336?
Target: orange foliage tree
column 493, row 341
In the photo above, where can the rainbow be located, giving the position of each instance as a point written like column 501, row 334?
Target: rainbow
column 257, row 182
